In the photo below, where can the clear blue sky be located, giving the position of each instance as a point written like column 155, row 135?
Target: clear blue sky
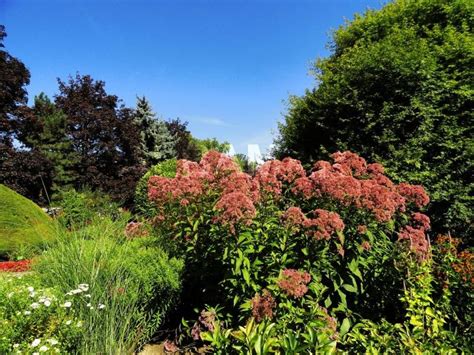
column 225, row 66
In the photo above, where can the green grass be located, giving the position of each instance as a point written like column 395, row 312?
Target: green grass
column 23, row 224
column 137, row 285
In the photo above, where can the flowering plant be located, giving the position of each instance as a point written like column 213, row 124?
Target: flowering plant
column 40, row 320
column 292, row 239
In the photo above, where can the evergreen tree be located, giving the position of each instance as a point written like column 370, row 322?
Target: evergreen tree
column 156, row 142
column 52, row 141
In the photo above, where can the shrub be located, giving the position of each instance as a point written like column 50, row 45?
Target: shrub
column 23, row 225
column 78, row 209
column 166, row 168
column 136, row 285
column 305, row 254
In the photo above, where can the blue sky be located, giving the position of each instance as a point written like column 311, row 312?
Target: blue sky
column 225, row 66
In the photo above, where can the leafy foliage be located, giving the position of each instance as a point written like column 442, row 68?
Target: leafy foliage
column 185, row 145
column 397, row 88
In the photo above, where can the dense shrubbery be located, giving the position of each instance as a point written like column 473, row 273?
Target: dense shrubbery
column 302, row 261
column 398, row 88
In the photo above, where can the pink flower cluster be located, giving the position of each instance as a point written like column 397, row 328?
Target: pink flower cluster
column 416, row 234
column 235, row 195
column 323, row 226
column 272, row 174
column 293, row 282
column 262, row 306
column 235, row 207
column 352, row 181
column 206, row 322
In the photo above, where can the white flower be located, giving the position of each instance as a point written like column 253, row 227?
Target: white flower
column 79, row 324
column 47, row 303
column 101, row 306
column 10, row 294
column 67, row 304
column 88, row 296
column 31, row 289
column 75, row 292
column 69, row 293
column 35, row 305
column 32, row 294
column 53, row 341
column 68, row 322
column 15, row 346
column 83, row 287
column 36, row 353
column 35, row 343
column 43, row 349
column 27, row 313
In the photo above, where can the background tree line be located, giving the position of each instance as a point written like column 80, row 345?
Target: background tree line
column 83, row 138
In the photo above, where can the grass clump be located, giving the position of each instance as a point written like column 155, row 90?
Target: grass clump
column 23, row 224
column 134, row 286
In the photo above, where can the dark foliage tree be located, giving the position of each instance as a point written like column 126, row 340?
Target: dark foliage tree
column 13, row 79
column 185, row 146
column 103, row 136
column 398, row 88
column 26, row 171
column 157, row 144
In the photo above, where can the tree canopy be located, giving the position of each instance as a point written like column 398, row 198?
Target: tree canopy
column 398, row 88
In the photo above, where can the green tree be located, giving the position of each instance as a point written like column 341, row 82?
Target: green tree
column 185, row 144
column 53, row 142
column 157, row 143
column 398, row 88
column 208, row 144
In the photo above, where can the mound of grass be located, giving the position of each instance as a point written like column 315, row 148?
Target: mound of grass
column 23, row 224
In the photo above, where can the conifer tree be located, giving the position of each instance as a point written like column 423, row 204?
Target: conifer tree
column 157, row 143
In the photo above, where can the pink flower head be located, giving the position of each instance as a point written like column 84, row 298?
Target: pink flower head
column 218, row 164
column 262, row 306
column 350, row 163
column 294, row 282
column 267, row 177
column 290, row 170
column 294, row 217
column 417, row 239
column 375, row 169
column 304, row 186
column 361, row 229
column 421, row 221
column 415, row 194
column 235, row 207
column 366, row 245
column 324, row 225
